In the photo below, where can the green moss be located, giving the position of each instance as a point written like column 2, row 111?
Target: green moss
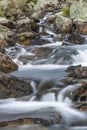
column 34, row 1
column 22, row 38
column 66, row 11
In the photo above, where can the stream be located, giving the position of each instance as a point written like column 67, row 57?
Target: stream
column 42, row 64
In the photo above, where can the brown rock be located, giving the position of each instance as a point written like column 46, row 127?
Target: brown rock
column 82, row 29
column 76, row 39
column 62, row 24
column 6, row 64
column 26, row 58
column 10, row 86
column 25, row 43
column 77, row 72
column 42, row 51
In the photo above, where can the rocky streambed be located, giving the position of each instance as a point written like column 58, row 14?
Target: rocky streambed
column 43, row 66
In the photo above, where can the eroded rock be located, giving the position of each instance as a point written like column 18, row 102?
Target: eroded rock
column 62, row 24
column 12, row 87
column 6, row 64
column 74, row 38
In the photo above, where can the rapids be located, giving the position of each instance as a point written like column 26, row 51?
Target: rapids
column 49, row 67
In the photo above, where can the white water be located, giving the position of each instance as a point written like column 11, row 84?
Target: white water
column 63, row 103
column 81, row 58
column 17, row 107
column 63, row 93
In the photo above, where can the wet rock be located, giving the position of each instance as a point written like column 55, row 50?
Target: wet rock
column 2, row 50
column 6, row 64
column 17, row 122
column 62, row 24
column 82, row 29
column 40, row 52
column 10, row 86
column 81, row 106
column 45, row 117
column 25, row 42
column 36, row 54
column 79, row 94
column 78, row 72
column 74, row 38
column 39, row 41
column 29, row 121
column 60, row 38
column 26, row 58
column 69, row 80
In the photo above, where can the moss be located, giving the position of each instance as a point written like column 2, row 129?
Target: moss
column 66, row 11
column 34, row 1
column 22, row 38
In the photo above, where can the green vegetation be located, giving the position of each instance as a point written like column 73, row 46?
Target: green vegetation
column 66, row 11
column 22, row 38
column 34, row 1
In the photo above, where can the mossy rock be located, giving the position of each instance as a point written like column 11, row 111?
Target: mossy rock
column 78, row 11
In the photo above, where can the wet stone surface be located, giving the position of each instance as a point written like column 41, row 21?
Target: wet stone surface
column 11, row 86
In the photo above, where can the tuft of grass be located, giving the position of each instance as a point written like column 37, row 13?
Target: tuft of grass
column 66, row 11
column 34, row 1
column 22, row 38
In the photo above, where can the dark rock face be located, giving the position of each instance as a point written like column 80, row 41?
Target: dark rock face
column 82, row 29
column 10, row 86
column 78, row 72
column 74, row 38
column 79, row 94
column 77, row 75
column 6, row 64
column 28, row 121
column 42, row 52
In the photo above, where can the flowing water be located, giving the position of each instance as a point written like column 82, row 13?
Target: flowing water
column 47, row 67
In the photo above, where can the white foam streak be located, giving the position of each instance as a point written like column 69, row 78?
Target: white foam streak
column 53, row 44
column 81, row 58
column 64, row 92
column 50, row 97
column 18, row 107
column 42, row 67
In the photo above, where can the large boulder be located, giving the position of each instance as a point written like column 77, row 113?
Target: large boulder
column 62, row 24
column 19, row 3
column 41, row 3
column 5, row 33
column 6, row 64
column 78, row 11
column 10, row 86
